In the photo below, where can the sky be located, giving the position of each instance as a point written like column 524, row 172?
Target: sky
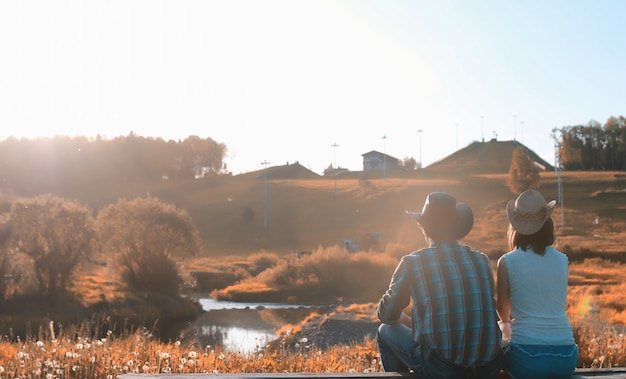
column 317, row 82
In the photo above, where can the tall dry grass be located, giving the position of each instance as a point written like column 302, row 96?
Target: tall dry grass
column 77, row 354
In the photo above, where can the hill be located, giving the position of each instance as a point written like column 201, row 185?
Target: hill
column 298, row 210
column 485, row 157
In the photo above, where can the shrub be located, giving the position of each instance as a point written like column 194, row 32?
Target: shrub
column 144, row 237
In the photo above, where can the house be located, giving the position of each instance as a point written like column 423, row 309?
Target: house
column 332, row 171
column 377, row 161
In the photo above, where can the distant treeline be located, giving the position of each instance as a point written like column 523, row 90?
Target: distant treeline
column 32, row 166
column 594, row 146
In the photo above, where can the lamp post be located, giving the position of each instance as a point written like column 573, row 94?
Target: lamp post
column 335, row 146
column 265, row 164
column 384, row 138
column 557, row 171
column 420, row 131
column 482, row 135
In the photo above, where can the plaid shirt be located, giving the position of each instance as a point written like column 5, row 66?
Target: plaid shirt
column 454, row 312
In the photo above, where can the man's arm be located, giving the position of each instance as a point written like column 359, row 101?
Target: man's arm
column 397, row 297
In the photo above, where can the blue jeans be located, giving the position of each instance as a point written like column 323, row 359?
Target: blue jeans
column 399, row 353
column 540, row 361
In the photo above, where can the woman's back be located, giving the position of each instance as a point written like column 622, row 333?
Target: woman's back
column 538, row 293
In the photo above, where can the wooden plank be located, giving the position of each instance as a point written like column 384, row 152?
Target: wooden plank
column 282, row 375
column 581, row 373
column 613, row 373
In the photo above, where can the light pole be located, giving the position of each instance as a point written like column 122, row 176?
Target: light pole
column 265, row 164
column 335, row 145
column 384, row 138
column 420, row 131
column 557, row 170
column 482, row 135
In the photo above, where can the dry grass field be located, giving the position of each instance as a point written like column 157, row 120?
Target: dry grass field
column 310, row 215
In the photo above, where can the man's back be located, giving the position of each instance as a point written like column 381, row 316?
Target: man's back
column 453, row 303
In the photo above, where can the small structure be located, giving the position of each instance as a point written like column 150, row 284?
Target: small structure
column 377, row 161
column 332, row 171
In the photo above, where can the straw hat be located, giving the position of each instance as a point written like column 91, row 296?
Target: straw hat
column 442, row 216
column 529, row 212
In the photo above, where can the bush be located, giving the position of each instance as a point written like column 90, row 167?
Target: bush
column 144, row 237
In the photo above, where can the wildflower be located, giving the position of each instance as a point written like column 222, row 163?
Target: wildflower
column 49, row 376
column 39, row 343
column 183, row 361
column 222, row 356
column 146, row 368
column 130, row 363
column 1, row 369
column 68, row 354
column 75, row 368
column 177, row 343
column 303, row 340
column 352, row 371
column 192, row 354
column 79, row 346
column 165, row 355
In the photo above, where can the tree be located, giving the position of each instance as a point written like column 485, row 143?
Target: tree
column 411, row 164
column 523, row 173
column 144, row 237
column 55, row 234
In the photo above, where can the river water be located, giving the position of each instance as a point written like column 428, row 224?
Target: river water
column 243, row 327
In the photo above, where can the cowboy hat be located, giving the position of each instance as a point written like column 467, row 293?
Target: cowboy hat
column 529, row 212
column 441, row 216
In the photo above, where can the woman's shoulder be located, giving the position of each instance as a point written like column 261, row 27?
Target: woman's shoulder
column 556, row 253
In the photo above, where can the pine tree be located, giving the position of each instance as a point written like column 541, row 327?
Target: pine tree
column 523, row 173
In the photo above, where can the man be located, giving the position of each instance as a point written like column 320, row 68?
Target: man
column 452, row 331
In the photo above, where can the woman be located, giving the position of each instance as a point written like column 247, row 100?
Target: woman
column 531, row 294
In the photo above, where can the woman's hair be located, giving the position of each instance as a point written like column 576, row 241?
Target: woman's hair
column 538, row 241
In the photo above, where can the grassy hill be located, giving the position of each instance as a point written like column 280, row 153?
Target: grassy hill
column 305, row 211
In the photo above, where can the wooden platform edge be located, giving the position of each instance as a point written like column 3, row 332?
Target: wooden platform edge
column 581, row 373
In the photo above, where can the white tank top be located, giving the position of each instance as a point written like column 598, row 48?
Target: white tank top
column 538, row 293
